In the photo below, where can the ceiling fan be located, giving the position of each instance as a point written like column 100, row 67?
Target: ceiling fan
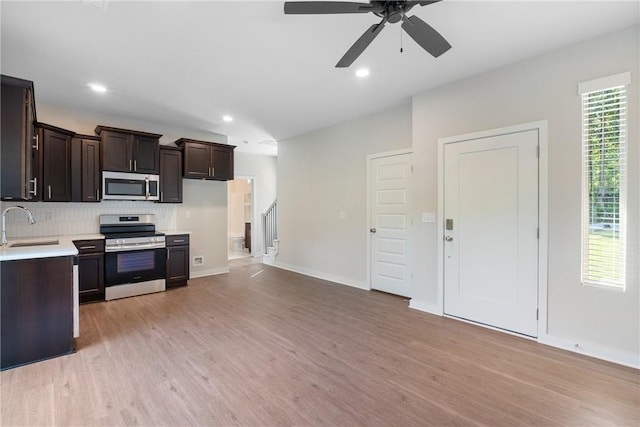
column 390, row 11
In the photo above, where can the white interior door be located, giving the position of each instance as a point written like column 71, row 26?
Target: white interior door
column 491, row 231
column 390, row 224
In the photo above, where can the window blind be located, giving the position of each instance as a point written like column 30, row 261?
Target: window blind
column 604, row 136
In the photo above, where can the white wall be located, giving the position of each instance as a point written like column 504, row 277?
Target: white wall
column 323, row 173
column 602, row 322
column 238, row 193
column 263, row 171
column 203, row 212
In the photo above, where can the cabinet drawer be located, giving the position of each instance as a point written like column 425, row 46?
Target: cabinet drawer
column 89, row 246
column 177, row 240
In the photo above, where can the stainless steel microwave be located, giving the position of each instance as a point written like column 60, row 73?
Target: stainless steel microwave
column 130, row 186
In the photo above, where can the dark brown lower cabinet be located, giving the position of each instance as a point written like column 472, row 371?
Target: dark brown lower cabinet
column 90, row 270
column 177, row 260
column 36, row 310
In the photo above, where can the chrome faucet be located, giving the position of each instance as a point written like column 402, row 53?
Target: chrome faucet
column 4, row 224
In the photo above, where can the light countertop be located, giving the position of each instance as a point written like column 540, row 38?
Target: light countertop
column 65, row 247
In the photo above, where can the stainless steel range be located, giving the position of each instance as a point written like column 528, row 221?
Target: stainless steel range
column 135, row 255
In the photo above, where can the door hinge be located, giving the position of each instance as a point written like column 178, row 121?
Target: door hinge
column 538, row 151
column 538, row 233
column 537, row 314
column 411, row 168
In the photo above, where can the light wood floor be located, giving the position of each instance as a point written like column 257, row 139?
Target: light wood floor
column 266, row 347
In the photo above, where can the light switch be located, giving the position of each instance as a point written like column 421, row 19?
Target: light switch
column 429, row 217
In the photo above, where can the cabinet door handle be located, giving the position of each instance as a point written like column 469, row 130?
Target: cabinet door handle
column 130, row 161
column 135, row 165
column 178, row 241
column 168, row 252
column 49, row 188
column 35, row 186
column 97, row 194
column 87, row 247
column 213, row 171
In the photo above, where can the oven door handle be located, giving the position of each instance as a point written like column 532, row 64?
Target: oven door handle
column 121, row 248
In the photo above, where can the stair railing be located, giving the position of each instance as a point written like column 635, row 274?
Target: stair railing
column 270, row 225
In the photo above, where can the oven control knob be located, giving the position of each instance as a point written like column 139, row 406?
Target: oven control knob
column 153, row 239
column 120, row 242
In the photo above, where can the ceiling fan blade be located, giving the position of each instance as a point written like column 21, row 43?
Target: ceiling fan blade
column 320, row 7
column 422, row 3
column 425, row 35
column 360, row 45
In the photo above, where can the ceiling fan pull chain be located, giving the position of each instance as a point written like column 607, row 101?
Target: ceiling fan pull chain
column 401, row 41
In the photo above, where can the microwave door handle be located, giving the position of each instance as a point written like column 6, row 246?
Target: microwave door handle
column 146, row 180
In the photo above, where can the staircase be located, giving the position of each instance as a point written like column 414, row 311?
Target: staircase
column 270, row 234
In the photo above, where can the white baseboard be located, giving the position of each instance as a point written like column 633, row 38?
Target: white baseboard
column 427, row 308
column 597, row 351
column 208, row 272
column 620, row 357
column 323, row 276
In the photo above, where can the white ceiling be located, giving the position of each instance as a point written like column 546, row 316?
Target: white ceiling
column 186, row 64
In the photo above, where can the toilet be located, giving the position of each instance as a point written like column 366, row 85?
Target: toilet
column 237, row 242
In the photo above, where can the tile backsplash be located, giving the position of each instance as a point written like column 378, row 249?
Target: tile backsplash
column 56, row 219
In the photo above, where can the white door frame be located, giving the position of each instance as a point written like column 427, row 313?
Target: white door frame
column 543, row 189
column 254, row 214
column 370, row 159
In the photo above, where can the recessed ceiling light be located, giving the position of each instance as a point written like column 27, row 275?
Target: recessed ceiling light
column 96, row 87
column 362, row 72
column 227, row 118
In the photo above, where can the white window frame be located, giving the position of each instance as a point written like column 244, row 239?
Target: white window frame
column 585, row 89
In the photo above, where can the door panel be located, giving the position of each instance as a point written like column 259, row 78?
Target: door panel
column 491, row 248
column 390, row 243
column 146, row 155
column 116, row 151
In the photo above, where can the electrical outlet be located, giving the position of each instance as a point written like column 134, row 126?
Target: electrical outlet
column 48, row 216
column 342, row 214
column 187, row 214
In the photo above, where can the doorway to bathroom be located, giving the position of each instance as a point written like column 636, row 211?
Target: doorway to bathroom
column 240, row 202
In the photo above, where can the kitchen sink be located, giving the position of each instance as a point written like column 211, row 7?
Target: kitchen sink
column 34, row 243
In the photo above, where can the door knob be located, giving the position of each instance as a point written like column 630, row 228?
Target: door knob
column 373, row 230
column 448, row 238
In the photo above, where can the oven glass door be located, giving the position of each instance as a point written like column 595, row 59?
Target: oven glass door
column 135, row 266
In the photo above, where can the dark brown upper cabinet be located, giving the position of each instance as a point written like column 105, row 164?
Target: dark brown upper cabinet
column 207, row 160
column 85, row 169
column 54, row 165
column 170, row 174
column 124, row 150
column 18, row 140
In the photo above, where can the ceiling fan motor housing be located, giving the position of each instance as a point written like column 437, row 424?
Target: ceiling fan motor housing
column 394, row 11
